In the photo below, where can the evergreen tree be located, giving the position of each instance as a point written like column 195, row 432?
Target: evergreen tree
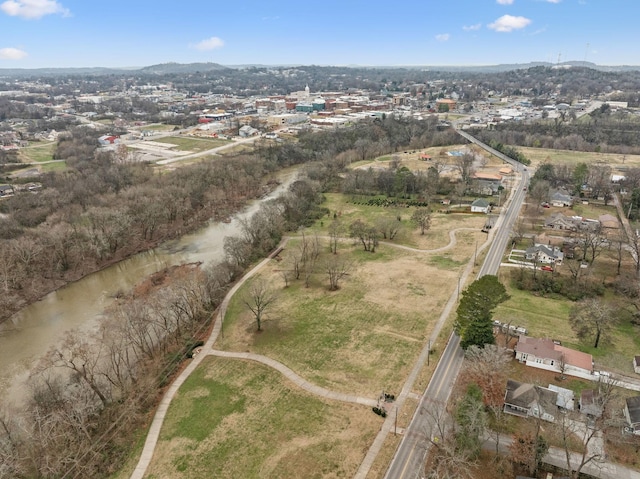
column 474, row 316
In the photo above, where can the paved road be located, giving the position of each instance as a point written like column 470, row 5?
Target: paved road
column 408, row 462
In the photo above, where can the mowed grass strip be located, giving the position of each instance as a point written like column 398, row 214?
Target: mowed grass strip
column 234, row 419
column 35, row 153
column 360, row 339
column 569, row 157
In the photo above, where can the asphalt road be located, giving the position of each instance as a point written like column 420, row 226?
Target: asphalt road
column 408, row 462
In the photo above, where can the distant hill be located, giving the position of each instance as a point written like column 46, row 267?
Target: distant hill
column 167, row 68
column 185, row 68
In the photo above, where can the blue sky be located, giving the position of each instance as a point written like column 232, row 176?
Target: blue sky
column 85, row 33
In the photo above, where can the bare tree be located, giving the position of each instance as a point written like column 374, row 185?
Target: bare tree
column 464, row 165
column 335, row 232
column 367, row 234
column 591, row 241
column 446, row 459
column 421, row 217
column 259, row 299
column 592, row 318
column 336, row 269
column 572, row 424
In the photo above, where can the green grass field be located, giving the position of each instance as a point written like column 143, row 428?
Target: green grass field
column 36, row 153
column 543, row 155
column 236, row 419
column 192, row 143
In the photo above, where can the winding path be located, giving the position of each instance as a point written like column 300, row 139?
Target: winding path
column 207, row 350
column 296, row 379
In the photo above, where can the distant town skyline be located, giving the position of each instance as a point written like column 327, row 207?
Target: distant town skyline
column 81, row 33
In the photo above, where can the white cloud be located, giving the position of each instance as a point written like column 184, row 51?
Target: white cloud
column 508, row 23
column 554, row 1
column 33, row 9
column 12, row 54
column 208, row 44
column 505, row 2
column 443, row 37
column 471, row 28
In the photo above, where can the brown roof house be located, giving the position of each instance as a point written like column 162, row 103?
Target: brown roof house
column 524, row 400
column 632, row 414
column 545, row 354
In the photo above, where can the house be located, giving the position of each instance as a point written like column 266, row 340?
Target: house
column 590, row 403
column 558, row 221
column 247, row 131
column 486, row 183
column 546, row 354
column 632, row 414
column 541, row 253
column 524, row 400
column 107, row 140
column 560, row 199
column 480, row 206
column 565, row 400
column 609, row 222
column 636, row 364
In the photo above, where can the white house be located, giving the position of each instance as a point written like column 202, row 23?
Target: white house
column 480, row 206
column 561, row 199
column 541, row 253
column 546, row 354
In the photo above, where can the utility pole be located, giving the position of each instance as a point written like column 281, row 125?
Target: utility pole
column 475, row 254
column 428, row 351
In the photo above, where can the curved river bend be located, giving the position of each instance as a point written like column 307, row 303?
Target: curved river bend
column 32, row 331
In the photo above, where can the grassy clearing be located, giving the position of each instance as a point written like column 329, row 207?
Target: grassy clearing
column 57, row 166
column 360, row 339
column 548, row 317
column 36, row 153
column 158, row 127
column 192, row 144
column 437, row 236
column 542, row 155
column 240, row 419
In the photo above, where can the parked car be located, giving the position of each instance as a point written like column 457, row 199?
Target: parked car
column 546, row 268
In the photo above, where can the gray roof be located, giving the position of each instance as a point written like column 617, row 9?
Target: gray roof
column 481, row 202
column 525, row 395
column 633, row 405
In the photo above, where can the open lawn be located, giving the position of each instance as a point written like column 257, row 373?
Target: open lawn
column 548, row 317
column 365, row 336
column 236, row 419
column 436, row 236
column 36, row 153
column 360, row 339
column 189, row 143
column 542, row 155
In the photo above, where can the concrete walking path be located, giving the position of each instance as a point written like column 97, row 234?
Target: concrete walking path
column 158, row 419
column 207, row 350
column 294, row 378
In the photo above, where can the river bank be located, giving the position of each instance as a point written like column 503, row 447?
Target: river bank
column 80, row 304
